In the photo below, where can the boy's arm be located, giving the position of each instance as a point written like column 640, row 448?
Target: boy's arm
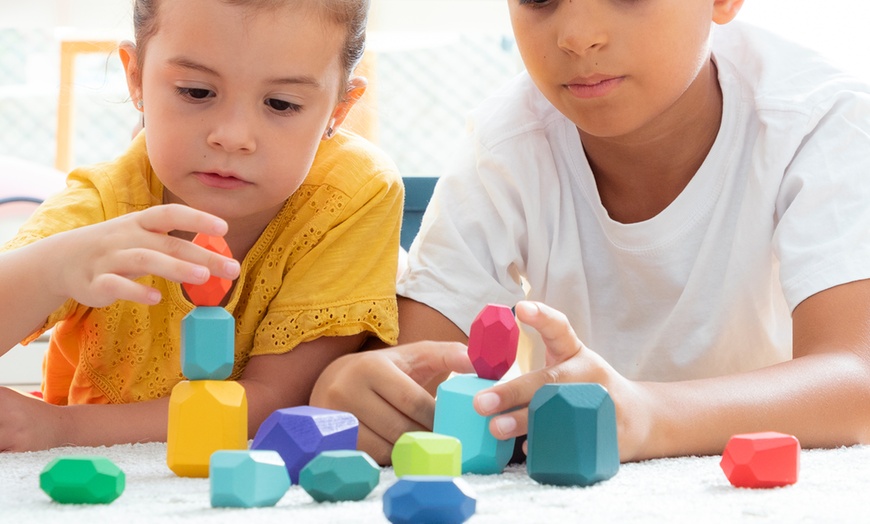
column 391, row 390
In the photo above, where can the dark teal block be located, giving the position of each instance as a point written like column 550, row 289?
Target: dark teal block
column 334, row 476
column 208, row 346
column 429, row 500
column 455, row 416
column 572, row 435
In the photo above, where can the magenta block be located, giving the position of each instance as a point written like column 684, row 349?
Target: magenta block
column 492, row 341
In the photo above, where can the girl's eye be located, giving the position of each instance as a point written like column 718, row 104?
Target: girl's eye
column 282, row 106
column 194, row 93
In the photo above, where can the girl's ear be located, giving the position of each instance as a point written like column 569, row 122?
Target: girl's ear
column 355, row 90
column 127, row 51
column 724, row 11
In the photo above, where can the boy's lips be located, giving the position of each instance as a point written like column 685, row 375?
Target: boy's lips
column 220, row 180
column 593, row 86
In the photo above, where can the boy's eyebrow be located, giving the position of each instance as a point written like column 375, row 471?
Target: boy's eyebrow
column 186, row 63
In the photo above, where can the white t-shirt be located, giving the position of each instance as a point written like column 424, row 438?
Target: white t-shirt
column 779, row 210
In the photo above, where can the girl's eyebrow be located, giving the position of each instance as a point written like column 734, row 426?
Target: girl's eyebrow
column 186, row 63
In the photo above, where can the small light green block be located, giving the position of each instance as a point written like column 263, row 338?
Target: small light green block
column 334, row 476
column 82, row 480
column 247, row 478
column 425, row 453
column 208, row 343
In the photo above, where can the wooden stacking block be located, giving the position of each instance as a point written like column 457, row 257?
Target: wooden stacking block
column 247, row 479
column 492, row 341
column 429, row 499
column 207, row 343
column 335, row 476
column 82, row 480
column 572, row 435
column 761, row 460
column 425, row 453
column 301, row 433
column 204, row 416
column 455, row 416
column 212, row 292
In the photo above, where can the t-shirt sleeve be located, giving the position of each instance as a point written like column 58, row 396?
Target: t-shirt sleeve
column 822, row 238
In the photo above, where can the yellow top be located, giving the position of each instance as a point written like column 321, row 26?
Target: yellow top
column 325, row 266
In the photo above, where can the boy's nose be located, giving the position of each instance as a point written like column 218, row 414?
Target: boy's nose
column 581, row 28
column 233, row 129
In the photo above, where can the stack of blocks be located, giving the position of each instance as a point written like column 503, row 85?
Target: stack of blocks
column 207, row 413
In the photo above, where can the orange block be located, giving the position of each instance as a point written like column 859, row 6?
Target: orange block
column 214, row 289
column 761, row 460
column 204, row 416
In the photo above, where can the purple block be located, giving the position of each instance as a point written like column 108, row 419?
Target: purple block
column 300, row 433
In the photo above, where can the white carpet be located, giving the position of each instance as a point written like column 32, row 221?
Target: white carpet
column 834, row 486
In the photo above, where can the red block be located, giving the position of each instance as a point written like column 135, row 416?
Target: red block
column 212, row 292
column 492, row 342
column 761, row 460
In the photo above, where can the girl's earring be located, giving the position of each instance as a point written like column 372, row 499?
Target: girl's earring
column 330, row 131
column 140, row 104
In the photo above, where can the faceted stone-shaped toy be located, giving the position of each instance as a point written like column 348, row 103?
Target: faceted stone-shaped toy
column 492, row 341
column 204, row 416
column 429, row 500
column 82, row 480
column 214, row 289
column 301, row 433
column 572, row 435
column 335, row 476
column 455, row 416
column 761, row 460
column 425, row 453
column 247, row 479
column 207, row 343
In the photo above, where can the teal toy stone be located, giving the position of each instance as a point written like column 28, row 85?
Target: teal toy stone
column 335, row 476
column 455, row 416
column 208, row 343
column 425, row 453
column 429, row 500
column 247, row 479
column 572, row 435
column 82, row 480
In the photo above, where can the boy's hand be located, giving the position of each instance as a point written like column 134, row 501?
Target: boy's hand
column 100, row 262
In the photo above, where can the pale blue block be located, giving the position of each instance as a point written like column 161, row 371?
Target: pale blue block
column 455, row 416
column 208, row 346
column 247, row 479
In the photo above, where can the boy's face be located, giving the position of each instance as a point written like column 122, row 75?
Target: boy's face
column 614, row 67
column 236, row 102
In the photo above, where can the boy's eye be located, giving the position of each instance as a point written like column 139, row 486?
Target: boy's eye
column 194, row 92
column 283, row 106
column 534, row 3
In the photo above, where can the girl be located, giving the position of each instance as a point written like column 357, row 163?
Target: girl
column 692, row 206
column 243, row 101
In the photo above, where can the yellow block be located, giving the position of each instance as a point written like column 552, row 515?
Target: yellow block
column 204, row 416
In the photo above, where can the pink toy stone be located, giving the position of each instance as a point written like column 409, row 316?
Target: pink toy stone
column 492, row 343
column 761, row 460
column 212, row 292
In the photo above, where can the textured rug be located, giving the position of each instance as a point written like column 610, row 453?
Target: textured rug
column 834, row 486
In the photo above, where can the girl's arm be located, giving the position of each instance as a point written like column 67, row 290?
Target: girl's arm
column 271, row 382
column 822, row 396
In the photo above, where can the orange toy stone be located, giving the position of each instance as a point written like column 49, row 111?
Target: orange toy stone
column 761, row 460
column 492, row 342
column 213, row 291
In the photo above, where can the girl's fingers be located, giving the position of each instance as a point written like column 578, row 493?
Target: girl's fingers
column 172, row 217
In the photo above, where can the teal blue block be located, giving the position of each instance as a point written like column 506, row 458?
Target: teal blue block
column 247, row 478
column 334, row 476
column 572, row 435
column 429, row 500
column 208, row 346
column 455, row 416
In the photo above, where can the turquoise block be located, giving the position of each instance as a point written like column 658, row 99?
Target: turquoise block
column 572, row 435
column 208, row 346
column 247, row 479
column 455, row 416
column 339, row 475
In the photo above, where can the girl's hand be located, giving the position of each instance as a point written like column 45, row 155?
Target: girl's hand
column 28, row 423
column 567, row 360
column 100, row 262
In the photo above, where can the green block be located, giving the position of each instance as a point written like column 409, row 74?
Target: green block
column 339, row 475
column 425, row 453
column 82, row 480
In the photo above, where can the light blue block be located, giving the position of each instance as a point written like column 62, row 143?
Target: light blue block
column 208, row 346
column 247, row 479
column 455, row 416
column 334, row 476
column 572, row 435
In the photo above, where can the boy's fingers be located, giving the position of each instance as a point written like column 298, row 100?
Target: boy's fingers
column 558, row 335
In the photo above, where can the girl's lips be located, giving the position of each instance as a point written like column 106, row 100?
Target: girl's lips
column 595, row 87
column 218, row 181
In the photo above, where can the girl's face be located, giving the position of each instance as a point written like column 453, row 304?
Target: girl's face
column 616, row 67
column 236, row 101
